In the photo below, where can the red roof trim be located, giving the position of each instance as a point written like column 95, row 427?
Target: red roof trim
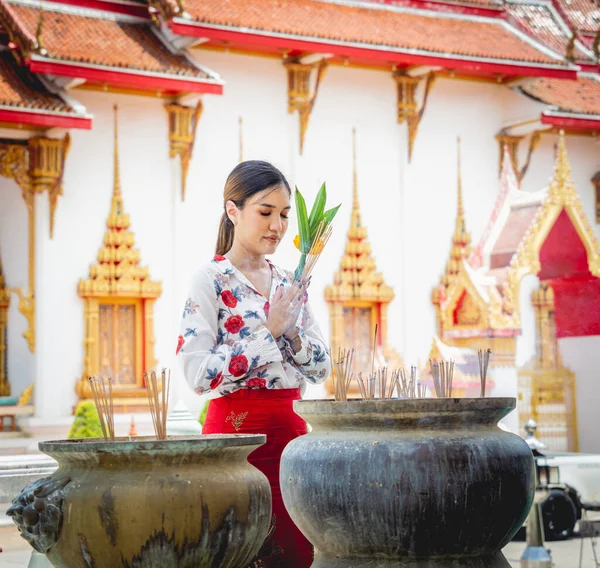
column 489, row 11
column 395, row 55
column 124, row 78
column 115, row 7
column 572, row 122
column 589, row 67
column 46, row 120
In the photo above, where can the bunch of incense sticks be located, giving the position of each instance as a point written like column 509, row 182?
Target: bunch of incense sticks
column 341, row 374
column 409, row 387
column 159, row 401
column 442, row 373
column 103, row 398
column 323, row 235
column 484, row 361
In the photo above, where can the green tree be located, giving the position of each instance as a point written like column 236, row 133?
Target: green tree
column 86, row 423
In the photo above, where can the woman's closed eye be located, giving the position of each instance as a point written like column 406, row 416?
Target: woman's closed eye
column 269, row 213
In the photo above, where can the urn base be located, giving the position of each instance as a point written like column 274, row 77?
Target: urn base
column 494, row 561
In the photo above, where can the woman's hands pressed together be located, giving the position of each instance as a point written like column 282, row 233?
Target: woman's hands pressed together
column 285, row 309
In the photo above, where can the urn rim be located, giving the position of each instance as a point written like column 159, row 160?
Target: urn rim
column 172, row 444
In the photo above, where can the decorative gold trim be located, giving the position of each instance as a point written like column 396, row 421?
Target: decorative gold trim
column 4, row 305
column 26, row 396
column 562, row 195
column 406, row 87
column 299, row 95
column 118, row 279
column 513, row 142
column 183, row 122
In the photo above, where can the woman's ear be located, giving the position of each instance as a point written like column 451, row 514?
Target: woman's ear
column 232, row 211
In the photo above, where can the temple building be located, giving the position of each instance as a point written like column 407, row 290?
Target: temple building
column 105, row 214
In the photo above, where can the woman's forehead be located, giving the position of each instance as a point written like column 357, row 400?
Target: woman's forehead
column 277, row 195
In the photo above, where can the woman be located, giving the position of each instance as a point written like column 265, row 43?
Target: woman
column 249, row 339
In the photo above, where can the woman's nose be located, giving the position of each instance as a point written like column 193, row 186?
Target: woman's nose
column 276, row 225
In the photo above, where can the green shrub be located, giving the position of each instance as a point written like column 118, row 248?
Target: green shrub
column 203, row 412
column 86, row 423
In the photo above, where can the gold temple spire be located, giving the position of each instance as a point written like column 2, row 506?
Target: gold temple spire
column 461, row 239
column 116, row 171
column 357, row 278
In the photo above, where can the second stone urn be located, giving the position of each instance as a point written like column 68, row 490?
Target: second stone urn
column 143, row 503
column 419, row 483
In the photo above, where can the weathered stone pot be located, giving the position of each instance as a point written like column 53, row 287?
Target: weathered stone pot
column 182, row 502
column 431, row 482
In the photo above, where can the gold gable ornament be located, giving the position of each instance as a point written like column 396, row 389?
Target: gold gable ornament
column 119, row 310
column 358, row 298
column 562, row 196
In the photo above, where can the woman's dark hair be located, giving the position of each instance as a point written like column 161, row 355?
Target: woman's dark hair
column 246, row 179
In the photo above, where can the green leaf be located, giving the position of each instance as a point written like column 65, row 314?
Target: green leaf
column 303, row 227
column 330, row 214
column 316, row 213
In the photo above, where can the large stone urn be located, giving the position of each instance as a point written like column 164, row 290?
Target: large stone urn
column 182, row 502
column 423, row 483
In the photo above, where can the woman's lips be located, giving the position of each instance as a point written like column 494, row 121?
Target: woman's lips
column 272, row 239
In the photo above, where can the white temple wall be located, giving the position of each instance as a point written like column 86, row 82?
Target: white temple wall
column 14, row 251
column 409, row 209
column 582, row 356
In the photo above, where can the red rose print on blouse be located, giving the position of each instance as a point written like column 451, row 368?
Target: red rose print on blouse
column 216, row 381
column 229, row 299
column 234, row 324
column 180, row 342
column 256, row 383
column 266, row 308
column 238, row 365
column 219, row 257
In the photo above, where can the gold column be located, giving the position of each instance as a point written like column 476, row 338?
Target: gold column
column 4, row 305
column 183, row 122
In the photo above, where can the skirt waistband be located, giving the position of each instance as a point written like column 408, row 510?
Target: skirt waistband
column 263, row 394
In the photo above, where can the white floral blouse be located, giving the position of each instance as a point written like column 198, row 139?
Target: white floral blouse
column 224, row 345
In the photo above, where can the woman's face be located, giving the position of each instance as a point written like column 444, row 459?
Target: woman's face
column 262, row 222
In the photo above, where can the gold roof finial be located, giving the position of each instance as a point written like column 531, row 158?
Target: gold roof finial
column 562, row 183
column 357, row 278
column 461, row 238
column 116, row 172
column 38, row 33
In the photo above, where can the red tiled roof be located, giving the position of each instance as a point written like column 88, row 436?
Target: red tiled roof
column 21, row 89
column 581, row 96
column 584, row 14
column 519, row 219
column 381, row 26
column 96, row 40
column 539, row 22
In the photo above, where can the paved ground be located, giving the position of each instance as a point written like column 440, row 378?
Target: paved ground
column 16, row 551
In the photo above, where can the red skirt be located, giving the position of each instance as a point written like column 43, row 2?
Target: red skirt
column 267, row 412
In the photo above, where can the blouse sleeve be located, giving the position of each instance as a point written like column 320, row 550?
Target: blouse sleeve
column 208, row 366
column 313, row 359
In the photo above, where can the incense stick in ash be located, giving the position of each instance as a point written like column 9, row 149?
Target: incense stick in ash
column 484, row 361
column 103, row 400
column 442, row 374
column 159, row 401
column 342, row 374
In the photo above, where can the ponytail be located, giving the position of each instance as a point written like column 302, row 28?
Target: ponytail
column 225, row 236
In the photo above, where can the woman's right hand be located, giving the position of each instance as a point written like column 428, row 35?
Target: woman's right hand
column 285, row 308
